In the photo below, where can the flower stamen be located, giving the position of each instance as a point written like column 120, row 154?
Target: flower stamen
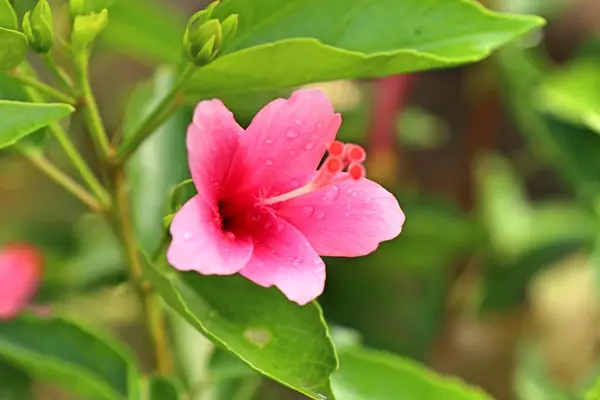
column 340, row 157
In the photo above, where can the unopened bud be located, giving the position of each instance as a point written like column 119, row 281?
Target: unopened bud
column 230, row 25
column 37, row 26
column 203, row 38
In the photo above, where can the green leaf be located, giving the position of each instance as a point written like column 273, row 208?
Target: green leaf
column 132, row 30
column 16, row 384
column 160, row 388
column 18, row 119
column 276, row 337
column 573, row 94
column 231, row 379
column 594, row 393
column 159, row 164
column 403, row 280
column 8, row 17
column 367, row 374
column 275, row 47
column 86, row 28
column 13, row 48
column 70, row 356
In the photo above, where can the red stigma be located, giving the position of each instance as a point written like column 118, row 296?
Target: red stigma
column 356, row 171
column 355, row 153
column 334, row 165
column 336, row 148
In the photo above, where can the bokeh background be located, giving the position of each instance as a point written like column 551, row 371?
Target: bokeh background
column 496, row 165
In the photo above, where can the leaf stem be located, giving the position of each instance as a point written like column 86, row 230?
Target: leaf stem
column 54, row 173
column 90, row 107
column 58, row 72
column 157, row 117
column 42, row 87
column 155, row 317
column 68, row 147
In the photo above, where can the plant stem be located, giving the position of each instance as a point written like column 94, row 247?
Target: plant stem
column 158, row 115
column 58, row 72
column 48, row 168
column 155, row 317
column 69, row 148
column 90, row 108
column 42, row 87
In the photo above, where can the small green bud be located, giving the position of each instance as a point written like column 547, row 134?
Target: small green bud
column 8, row 18
column 37, row 26
column 86, row 28
column 230, row 25
column 203, row 38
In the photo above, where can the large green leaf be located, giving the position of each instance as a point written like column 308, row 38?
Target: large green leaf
column 70, row 356
column 133, row 30
column 159, row 164
column 309, row 40
column 18, row 119
column 367, row 374
column 13, row 48
column 16, row 384
column 278, row 338
column 573, row 94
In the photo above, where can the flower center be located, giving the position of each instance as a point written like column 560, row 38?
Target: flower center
column 341, row 156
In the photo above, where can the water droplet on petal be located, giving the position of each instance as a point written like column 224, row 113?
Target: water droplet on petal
column 280, row 227
column 187, row 236
column 334, row 192
column 354, row 194
column 317, row 261
column 367, row 199
column 309, row 146
column 272, row 251
column 270, row 161
column 292, row 134
column 308, row 211
column 296, row 261
column 319, row 125
column 298, row 121
column 269, row 140
column 348, row 206
column 346, row 214
column 321, row 215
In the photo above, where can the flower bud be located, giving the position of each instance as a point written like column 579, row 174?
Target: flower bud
column 202, row 39
column 230, row 25
column 20, row 273
column 37, row 26
column 205, row 36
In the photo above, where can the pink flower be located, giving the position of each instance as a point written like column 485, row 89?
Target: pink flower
column 264, row 210
column 20, row 271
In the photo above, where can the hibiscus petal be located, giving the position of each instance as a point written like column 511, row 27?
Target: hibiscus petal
column 348, row 219
column 285, row 140
column 212, row 141
column 200, row 245
column 20, row 271
column 284, row 258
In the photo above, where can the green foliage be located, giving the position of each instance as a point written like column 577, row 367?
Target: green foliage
column 8, row 18
column 367, row 374
column 160, row 388
column 281, row 340
column 37, row 26
column 159, row 164
column 61, row 352
column 275, row 47
column 573, row 94
column 18, row 119
column 86, row 28
column 16, row 384
column 13, row 48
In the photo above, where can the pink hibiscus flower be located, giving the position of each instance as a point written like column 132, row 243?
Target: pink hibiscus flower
column 264, row 210
column 20, row 271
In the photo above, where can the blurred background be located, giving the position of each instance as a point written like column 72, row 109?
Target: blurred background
column 496, row 165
